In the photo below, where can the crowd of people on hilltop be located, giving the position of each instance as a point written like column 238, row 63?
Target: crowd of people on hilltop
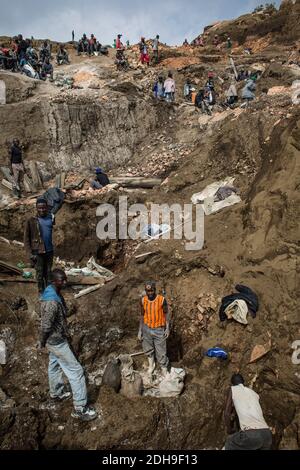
column 121, row 60
column 22, row 57
column 216, row 41
column 90, row 46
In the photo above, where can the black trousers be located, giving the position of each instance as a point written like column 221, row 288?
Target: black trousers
column 43, row 269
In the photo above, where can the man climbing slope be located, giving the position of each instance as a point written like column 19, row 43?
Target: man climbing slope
column 254, row 432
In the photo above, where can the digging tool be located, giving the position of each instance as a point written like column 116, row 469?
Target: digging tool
column 141, row 353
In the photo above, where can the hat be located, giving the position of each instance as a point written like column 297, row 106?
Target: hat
column 98, row 170
column 41, row 200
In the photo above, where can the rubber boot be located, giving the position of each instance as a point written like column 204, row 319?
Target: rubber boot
column 151, row 367
column 164, row 371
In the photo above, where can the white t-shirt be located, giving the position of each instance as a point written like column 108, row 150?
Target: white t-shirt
column 169, row 85
column 246, row 403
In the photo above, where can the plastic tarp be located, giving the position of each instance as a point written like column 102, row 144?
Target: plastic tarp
column 206, row 198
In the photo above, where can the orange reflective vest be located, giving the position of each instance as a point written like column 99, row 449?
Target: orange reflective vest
column 154, row 316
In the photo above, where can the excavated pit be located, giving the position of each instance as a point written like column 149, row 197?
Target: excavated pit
column 255, row 243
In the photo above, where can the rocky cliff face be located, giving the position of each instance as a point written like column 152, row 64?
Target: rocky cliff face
column 73, row 132
column 84, row 134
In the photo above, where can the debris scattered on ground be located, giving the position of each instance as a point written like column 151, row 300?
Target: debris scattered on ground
column 259, row 351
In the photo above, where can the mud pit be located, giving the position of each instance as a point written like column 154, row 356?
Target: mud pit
column 255, row 243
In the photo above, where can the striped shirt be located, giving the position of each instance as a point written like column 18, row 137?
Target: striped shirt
column 154, row 315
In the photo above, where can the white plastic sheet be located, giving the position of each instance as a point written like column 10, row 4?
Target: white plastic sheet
column 206, row 197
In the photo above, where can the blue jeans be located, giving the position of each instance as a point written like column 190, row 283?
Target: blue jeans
column 61, row 359
column 169, row 97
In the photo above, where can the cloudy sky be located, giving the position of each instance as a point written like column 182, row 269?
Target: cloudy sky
column 173, row 20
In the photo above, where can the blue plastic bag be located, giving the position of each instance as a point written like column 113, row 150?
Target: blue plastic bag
column 216, row 352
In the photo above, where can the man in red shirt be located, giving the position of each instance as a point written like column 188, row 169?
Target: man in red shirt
column 92, row 44
column 119, row 44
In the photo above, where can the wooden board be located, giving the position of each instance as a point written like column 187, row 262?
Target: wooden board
column 4, row 266
column 136, row 181
column 7, row 184
column 35, row 174
column 77, row 282
column 6, row 173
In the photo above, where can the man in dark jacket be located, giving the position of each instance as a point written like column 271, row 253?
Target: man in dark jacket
column 45, row 52
column 101, row 179
column 38, row 242
column 47, row 69
column 16, row 166
column 55, row 336
column 22, row 47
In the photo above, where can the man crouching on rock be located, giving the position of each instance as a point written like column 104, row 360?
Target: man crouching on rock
column 154, row 328
column 55, row 336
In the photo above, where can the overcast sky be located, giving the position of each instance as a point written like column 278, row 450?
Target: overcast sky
column 173, row 20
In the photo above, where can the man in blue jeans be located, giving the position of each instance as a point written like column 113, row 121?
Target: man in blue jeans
column 55, row 336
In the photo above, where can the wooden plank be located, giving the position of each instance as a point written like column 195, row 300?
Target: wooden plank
column 10, row 267
column 7, row 184
column 58, row 180
column 28, row 184
column 79, row 282
column 233, row 67
column 144, row 254
column 136, row 181
column 88, row 290
column 6, row 173
column 62, row 179
column 17, row 280
column 35, row 174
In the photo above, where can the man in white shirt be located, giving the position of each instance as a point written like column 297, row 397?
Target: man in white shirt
column 254, row 432
column 170, row 88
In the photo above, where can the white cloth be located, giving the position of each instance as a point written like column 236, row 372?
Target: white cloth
column 246, row 403
column 207, row 200
column 238, row 310
column 169, row 85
